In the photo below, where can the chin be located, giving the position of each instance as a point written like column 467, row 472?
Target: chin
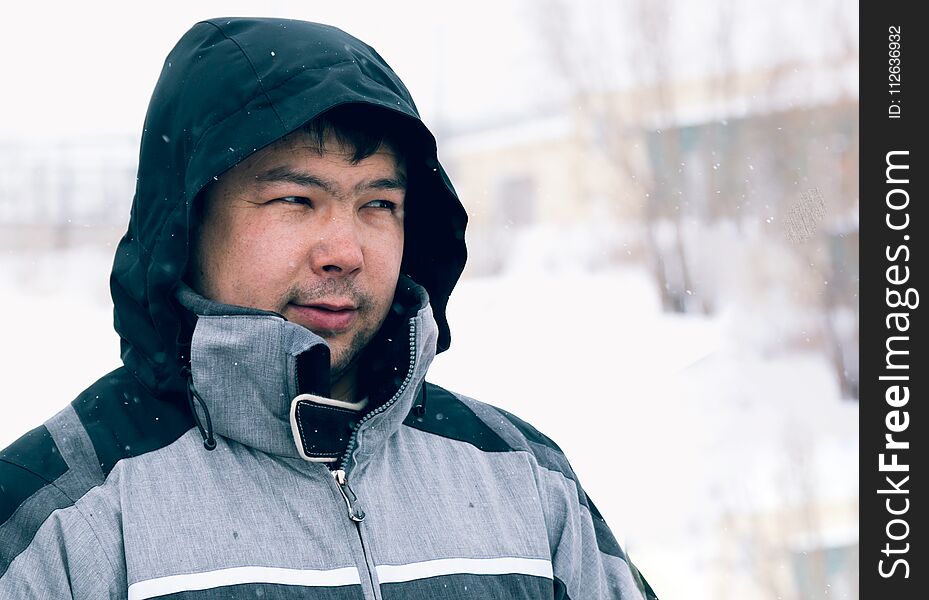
column 339, row 357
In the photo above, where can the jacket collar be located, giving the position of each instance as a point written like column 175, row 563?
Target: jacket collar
column 245, row 363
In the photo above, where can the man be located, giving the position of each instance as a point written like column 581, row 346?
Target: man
column 280, row 293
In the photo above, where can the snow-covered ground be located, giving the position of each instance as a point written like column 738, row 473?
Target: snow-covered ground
column 669, row 421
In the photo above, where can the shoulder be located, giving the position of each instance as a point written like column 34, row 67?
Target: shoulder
column 55, row 464
column 492, row 429
column 43, row 473
column 122, row 419
column 40, row 462
column 487, row 427
column 29, row 467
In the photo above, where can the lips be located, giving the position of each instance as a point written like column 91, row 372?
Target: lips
column 328, row 317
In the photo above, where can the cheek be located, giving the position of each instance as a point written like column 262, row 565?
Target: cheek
column 249, row 266
column 385, row 252
column 262, row 256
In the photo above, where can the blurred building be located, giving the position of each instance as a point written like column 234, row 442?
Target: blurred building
column 539, row 172
column 798, row 551
column 65, row 193
column 736, row 190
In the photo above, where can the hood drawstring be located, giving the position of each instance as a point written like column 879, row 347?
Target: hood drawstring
column 209, row 442
column 419, row 409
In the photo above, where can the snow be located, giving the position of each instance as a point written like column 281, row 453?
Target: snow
column 58, row 333
column 669, row 421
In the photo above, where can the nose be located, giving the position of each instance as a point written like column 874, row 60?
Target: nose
column 337, row 249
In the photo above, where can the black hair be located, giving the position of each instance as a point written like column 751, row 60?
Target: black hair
column 364, row 129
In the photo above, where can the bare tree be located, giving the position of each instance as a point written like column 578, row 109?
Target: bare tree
column 587, row 49
column 749, row 158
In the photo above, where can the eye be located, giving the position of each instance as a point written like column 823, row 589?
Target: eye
column 385, row 204
column 293, row 200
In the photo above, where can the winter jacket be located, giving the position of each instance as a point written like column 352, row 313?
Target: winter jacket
column 185, row 473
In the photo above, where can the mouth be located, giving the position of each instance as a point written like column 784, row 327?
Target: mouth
column 324, row 316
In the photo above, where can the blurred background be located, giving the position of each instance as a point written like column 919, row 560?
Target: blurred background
column 663, row 271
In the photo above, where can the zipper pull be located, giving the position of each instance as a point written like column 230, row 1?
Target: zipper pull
column 354, row 513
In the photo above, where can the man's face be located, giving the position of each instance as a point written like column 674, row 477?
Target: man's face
column 308, row 235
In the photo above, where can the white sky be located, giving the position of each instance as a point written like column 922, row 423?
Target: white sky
column 89, row 67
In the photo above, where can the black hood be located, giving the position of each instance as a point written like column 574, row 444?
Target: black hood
column 231, row 87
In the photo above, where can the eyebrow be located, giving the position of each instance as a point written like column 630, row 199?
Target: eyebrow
column 383, row 183
column 303, row 178
column 288, row 175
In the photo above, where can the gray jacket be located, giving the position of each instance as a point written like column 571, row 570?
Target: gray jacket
column 457, row 500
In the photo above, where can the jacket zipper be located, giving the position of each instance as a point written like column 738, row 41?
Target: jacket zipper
column 355, row 513
column 353, row 441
